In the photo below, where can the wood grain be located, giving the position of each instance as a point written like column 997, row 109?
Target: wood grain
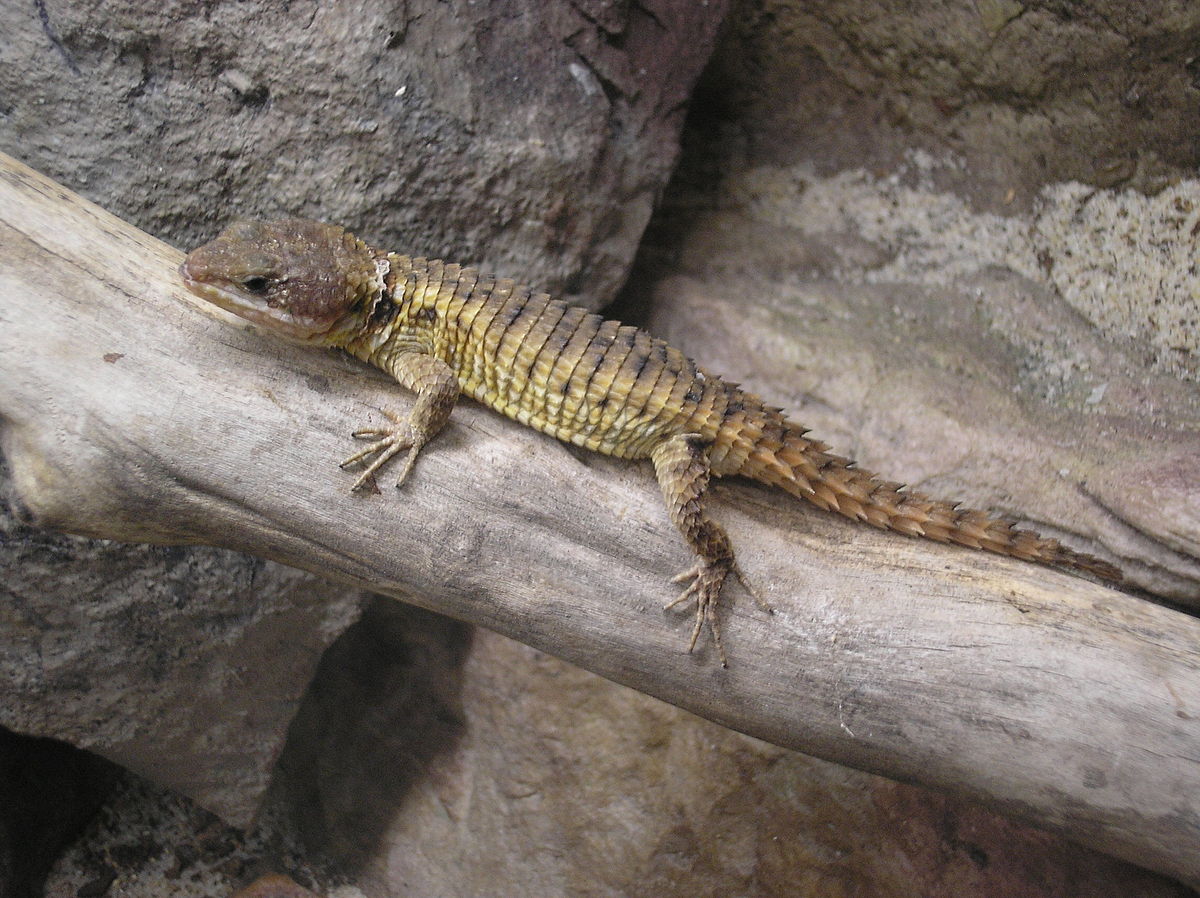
column 130, row 412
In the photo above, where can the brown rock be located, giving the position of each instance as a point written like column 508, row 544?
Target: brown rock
column 1025, row 93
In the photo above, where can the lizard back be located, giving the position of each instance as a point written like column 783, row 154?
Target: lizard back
column 552, row 366
column 618, row 390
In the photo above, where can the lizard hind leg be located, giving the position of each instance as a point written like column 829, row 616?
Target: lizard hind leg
column 682, row 468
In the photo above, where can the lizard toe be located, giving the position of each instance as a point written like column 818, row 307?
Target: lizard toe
column 708, row 578
column 392, row 442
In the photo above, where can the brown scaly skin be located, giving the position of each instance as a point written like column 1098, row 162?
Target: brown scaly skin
column 440, row 329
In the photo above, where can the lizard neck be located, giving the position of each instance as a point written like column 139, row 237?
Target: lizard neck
column 389, row 328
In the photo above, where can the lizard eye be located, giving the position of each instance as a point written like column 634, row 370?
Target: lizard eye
column 256, row 284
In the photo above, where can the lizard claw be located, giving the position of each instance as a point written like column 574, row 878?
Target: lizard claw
column 708, row 578
column 754, row 593
column 389, row 442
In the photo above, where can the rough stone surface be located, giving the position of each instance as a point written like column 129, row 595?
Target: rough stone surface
column 1122, row 259
column 185, row 665
column 999, row 105
column 1027, row 92
column 528, row 137
column 148, row 842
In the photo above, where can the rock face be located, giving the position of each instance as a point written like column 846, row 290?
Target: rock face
column 531, row 138
column 184, row 665
column 922, row 291
column 1024, row 93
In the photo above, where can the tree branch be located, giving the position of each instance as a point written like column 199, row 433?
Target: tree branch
column 130, row 412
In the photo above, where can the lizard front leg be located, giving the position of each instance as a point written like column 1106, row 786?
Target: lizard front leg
column 682, row 468
column 437, row 390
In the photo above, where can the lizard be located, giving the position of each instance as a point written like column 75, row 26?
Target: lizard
column 442, row 330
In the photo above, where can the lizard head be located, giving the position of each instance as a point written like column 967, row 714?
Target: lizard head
column 310, row 282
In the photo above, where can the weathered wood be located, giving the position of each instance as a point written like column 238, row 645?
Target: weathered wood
column 130, row 412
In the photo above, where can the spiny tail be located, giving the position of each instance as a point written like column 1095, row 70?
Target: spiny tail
column 786, row 458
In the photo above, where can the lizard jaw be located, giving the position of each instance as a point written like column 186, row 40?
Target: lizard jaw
column 255, row 310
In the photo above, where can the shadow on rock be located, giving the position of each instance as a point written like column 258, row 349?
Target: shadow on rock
column 384, row 707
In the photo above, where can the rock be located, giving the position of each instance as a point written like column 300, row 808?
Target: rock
column 184, row 665
column 531, row 140
column 1023, row 94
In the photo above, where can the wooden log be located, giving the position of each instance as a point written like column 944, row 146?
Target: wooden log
column 129, row 411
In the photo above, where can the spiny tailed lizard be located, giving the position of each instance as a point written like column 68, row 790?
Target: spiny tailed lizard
column 441, row 330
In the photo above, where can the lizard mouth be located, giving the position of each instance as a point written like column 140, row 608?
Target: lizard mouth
column 275, row 320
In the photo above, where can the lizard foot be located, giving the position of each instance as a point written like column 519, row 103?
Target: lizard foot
column 389, row 442
column 708, row 578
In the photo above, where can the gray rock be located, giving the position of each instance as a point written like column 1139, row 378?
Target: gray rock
column 182, row 664
column 531, row 139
